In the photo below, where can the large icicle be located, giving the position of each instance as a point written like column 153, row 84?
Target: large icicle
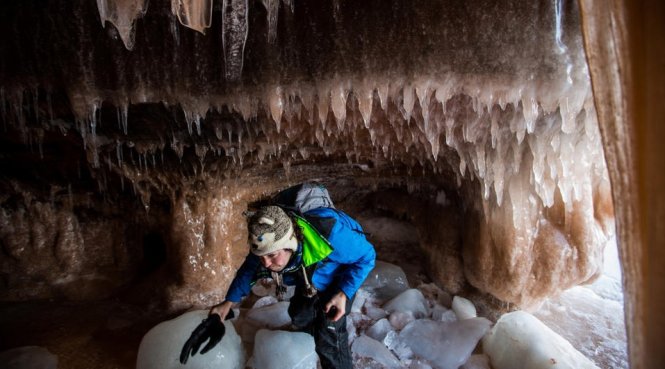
column 272, row 8
column 195, row 14
column 234, row 26
column 122, row 14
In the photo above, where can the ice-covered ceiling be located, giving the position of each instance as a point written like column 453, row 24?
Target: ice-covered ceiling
column 204, row 106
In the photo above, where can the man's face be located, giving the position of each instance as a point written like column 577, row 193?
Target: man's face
column 276, row 261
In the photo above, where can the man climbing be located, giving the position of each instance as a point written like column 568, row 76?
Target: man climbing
column 322, row 252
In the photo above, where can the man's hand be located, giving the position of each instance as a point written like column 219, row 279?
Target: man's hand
column 336, row 306
column 222, row 309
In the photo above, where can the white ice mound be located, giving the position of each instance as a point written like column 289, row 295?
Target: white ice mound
column 271, row 316
column 446, row 345
column 284, row 350
column 161, row 346
column 521, row 341
column 410, row 301
column 463, row 308
column 28, row 357
column 386, row 280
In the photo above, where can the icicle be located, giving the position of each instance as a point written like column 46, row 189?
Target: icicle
column 194, row 14
column 272, row 8
column 338, row 97
column 175, row 32
column 118, row 152
column 234, row 28
column 289, row 4
column 35, row 104
column 93, row 132
column 197, row 122
column 530, row 112
column 365, row 101
column 48, row 104
column 123, row 15
column 323, row 105
column 276, row 101
column 122, row 117
column 382, row 91
column 409, row 100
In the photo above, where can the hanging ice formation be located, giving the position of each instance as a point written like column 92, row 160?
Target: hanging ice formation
column 195, row 14
column 122, row 14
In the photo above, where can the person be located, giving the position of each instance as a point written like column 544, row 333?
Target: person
column 323, row 253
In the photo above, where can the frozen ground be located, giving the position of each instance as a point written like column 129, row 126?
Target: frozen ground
column 423, row 328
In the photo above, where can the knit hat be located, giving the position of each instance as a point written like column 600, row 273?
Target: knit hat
column 271, row 229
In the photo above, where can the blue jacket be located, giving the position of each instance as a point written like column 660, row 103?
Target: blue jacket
column 345, row 269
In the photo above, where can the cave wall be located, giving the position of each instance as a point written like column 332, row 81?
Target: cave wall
column 626, row 55
column 491, row 99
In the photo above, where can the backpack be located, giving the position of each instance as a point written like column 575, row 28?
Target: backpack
column 304, row 197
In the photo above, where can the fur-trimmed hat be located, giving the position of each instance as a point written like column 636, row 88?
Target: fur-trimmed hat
column 271, row 229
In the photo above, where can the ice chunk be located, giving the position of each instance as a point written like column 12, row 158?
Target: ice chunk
column 265, row 301
column 521, row 341
column 441, row 313
column 28, row 357
column 359, row 300
column 368, row 347
column 379, row 330
column 446, row 345
column 463, row 308
column 373, row 312
column 419, row 364
column 386, row 280
column 398, row 345
column 399, row 319
column 271, row 316
column 478, row 361
column 161, row 346
column 284, row 350
column 410, row 301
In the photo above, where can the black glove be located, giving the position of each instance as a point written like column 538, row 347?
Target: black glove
column 210, row 328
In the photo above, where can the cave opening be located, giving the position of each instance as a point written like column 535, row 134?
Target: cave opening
column 474, row 161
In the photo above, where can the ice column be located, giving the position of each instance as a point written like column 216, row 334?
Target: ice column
column 234, row 26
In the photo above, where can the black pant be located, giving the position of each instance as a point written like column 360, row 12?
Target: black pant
column 331, row 338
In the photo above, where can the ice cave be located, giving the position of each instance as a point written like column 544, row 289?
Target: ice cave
column 499, row 154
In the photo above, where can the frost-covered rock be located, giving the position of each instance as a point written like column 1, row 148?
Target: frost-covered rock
column 463, row 308
column 446, row 345
column 521, row 341
column 410, row 301
column 386, row 281
column 271, row 316
column 161, row 346
column 284, row 350
column 365, row 346
column 28, row 357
